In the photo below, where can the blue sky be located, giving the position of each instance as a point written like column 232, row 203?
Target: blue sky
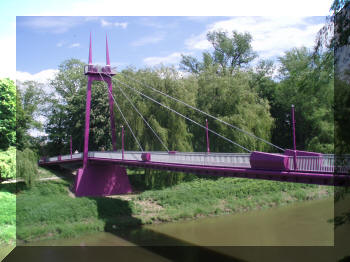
column 43, row 42
column 36, row 36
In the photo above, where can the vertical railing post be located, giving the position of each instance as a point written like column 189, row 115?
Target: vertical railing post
column 123, row 142
column 294, row 142
column 206, row 131
column 70, row 147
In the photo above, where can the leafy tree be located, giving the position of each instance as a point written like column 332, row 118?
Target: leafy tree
column 67, row 108
column 306, row 82
column 26, row 166
column 8, row 163
column 31, row 100
column 7, row 113
column 230, row 53
column 231, row 99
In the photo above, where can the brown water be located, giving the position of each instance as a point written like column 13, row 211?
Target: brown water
column 301, row 224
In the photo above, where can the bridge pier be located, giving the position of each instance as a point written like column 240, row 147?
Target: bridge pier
column 101, row 180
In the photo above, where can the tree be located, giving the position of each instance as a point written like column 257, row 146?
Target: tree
column 7, row 113
column 306, row 82
column 30, row 105
column 230, row 53
column 231, row 99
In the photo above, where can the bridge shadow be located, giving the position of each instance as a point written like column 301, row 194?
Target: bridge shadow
column 119, row 221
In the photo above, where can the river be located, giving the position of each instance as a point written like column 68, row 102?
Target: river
column 300, row 224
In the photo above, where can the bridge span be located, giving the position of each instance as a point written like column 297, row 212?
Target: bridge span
column 320, row 169
column 104, row 173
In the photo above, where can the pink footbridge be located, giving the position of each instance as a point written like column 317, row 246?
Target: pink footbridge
column 104, row 173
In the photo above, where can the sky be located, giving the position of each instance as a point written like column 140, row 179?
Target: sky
column 37, row 36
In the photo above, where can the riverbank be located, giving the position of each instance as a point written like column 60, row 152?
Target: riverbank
column 49, row 210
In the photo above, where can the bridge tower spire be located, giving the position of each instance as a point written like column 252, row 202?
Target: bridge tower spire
column 108, row 63
column 90, row 52
column 96, row 73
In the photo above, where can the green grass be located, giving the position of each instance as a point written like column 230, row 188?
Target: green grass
column 47, row 209
column 203, row 197
column 7, row 215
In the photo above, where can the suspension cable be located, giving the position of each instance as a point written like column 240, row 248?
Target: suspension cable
column 142, row 118
column 189, row 119
column 203, row 112
column 137, row 141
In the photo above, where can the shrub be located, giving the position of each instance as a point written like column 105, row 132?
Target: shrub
column 26, row 166
column 8, row 164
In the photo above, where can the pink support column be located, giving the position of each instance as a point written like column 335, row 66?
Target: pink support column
column 87, row 122
column 123, row 142
column 294, row 143
column 108, row 63
column 95, row 179
column 70, row 147
column 111, row 110
column 206, row 123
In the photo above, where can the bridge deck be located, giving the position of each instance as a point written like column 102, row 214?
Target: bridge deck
column 240, row 160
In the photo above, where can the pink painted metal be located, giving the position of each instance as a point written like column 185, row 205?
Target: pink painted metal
column 123, row 142
column 90, row 52
column 294, row 142
column 101, row 180
column 312, row 160
column 70, row 147
column 146, row 156
column 268, row 161
column 87, row 122
column 108, row 63
column 93, row 75
column 206, row 124
column 111, row 110
column 289, row 152
column 320, row 177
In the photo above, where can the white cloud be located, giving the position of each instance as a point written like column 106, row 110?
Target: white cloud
column 59, row 44
column 41, row 77
column 74, row 45
column 173, row 58
column 148, row 40
column 271, row 35
column 105, row 23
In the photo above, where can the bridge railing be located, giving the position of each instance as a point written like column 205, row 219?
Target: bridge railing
column 211, row 159
column 325, row 163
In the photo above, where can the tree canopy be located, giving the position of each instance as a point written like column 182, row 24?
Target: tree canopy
column 7, row 113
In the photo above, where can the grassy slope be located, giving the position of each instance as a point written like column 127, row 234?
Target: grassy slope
column 203, row 197
column 49, row 211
